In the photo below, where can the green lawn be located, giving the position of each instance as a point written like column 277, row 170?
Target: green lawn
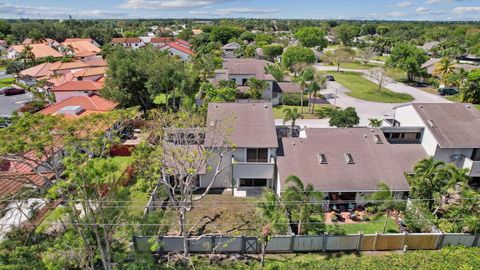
column 397, row 74
column 362, row 88
column 478, row 106
column 380, row 58
column 279, row 114
column 369, row 227
column 6, row 82
column 2, row 68
column 121, row 162
column 357, row 65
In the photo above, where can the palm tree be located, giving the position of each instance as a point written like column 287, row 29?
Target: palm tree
column 375, row 123
column 27, row 53
column 205, row 66
column 303, row 79
column 256, row 87
column 291, row 114
column 320, row 82
column 300, row 200
column 427, row 180
column 444, row 69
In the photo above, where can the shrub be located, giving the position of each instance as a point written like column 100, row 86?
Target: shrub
column 293, row 100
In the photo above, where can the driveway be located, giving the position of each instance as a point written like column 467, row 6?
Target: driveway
column 9, row 104
column 368, row 109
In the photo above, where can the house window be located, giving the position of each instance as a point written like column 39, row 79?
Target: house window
column 476, row 154
column 244, row 81
column 253, row 182
column 257, row 155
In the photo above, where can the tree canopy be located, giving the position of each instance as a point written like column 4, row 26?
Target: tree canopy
column 312, row 37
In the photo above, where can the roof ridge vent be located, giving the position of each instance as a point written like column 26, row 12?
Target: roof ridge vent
column 322, row 158
column 431, row 123
column 377, row 139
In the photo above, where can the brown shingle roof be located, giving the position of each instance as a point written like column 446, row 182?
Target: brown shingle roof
column 252, row 124
column 126, row 40
column 247, row 66
column 373, row 163
column 40, row 50
column 38, row 71
column 286, row 87
column 12, row 183
column 454, row 125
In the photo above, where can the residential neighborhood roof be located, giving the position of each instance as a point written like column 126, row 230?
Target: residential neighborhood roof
column 183, row 42
column 29, row 41
column 79, row 86
column 230, row 46
column 82, row 46
column 60, row 79
column 59, row 65
column 178, row 47
column 126, row 40
column 89, row 104
column 431, row 64
column 12, row 183
column 454, row 125
column 90, row 72
column 67, row 40
column 247, row 66
column 38, row 71
column 161, row 40
column 252, row 124
column 347, row 159
column 286, row 87
column 40, row 50
column 96, row 62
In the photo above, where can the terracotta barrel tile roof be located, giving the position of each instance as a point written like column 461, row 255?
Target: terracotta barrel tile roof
column 79, row 86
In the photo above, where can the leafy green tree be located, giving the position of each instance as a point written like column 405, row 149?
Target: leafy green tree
column 312, row 37
column 205, row 65
column 263, row 38
column 427, row 181
column 375, row 123
column 227, row 84
column 224, row 33
column 346, row 32
column 186, row 34
column 273, row 50
column 223, row 94
column 408, row 58
column 299, row 199
column 382, row 30
column 247, row 36
column 277, row 71
column 340, row 56
column 297, row 55
column 344, row 118
column 256, row 87
column 470, row 91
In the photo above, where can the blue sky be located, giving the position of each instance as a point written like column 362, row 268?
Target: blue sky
column 303, row 9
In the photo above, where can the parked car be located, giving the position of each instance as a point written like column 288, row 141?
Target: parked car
column 9, row 91
column 447, row 91
column 330, row 78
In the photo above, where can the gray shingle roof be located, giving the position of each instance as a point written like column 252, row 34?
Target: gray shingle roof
column 252, row 124
column 454, row 125
column 373, row 162
column 247, row 66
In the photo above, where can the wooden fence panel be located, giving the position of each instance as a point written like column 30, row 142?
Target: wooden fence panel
column 308, row 243
column 342, row 242
column 389, row 242
column 422, row 241
column 368, row 242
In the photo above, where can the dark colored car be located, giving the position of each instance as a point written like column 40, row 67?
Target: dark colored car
column 330, row 78
column 10, row 91
column 445, row 91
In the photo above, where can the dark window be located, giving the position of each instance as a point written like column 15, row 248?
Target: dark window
column 244, row 81
column 257, row 155
column 395, row 136
column 253, row 182
column 476, row 154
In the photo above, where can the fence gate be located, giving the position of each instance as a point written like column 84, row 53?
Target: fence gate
column 251, row 245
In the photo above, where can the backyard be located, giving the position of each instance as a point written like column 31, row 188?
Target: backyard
column 357, row 65
column 362, row 88
column 375, row 224
column 278, row 112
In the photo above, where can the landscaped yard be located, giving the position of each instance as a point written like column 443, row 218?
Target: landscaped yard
column 357, row 65
column 369, row 227
column 121, row 162
column 279, row 114
column 478, row 106
column 6, row 82
column 362, row 88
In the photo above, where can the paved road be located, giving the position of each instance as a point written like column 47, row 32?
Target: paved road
column 9, row 104
column 368, row 109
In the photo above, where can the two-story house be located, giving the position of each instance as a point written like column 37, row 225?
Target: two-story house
column 253, row 137
column 447, row 131
column 134, row 43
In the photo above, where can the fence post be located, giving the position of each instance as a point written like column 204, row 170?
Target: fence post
column 242, row 251
column 134, row 239
column 440, row 241
column 292, row 240
column 360, row 240
column 475, row 242
column 403, row 240
column 213, row 245
column 324, row 247
column 375, row 242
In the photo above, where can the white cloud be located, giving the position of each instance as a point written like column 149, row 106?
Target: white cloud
column 464, row 10
column 404, row 4
column 229, row 11
column 424, row 10
column 49, row 12
column 396, row 14
column 168, row 4
column 442, row 1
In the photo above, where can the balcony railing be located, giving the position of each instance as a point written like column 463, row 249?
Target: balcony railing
column 473, row 166
column 258, row 170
